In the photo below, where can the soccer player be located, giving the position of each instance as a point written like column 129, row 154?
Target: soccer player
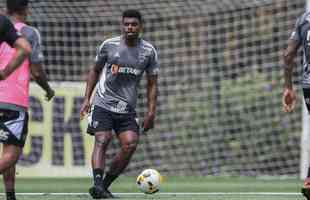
column 14, row 93
column 119, row 66
column 300, row 37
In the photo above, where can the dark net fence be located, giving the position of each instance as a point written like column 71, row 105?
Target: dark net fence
column 220, row 84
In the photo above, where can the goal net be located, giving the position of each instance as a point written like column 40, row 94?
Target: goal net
column 220, row 84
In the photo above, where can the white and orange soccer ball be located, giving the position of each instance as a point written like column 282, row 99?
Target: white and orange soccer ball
column 149, row 181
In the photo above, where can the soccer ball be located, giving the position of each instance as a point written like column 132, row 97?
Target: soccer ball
column 149, row 181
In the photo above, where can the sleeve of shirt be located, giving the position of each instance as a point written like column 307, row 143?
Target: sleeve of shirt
column 153, row 67
column 34, row 38
column 296, row 35
column 102, row 55
column 8, row 32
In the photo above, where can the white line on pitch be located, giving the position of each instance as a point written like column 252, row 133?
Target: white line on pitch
column 170, row 193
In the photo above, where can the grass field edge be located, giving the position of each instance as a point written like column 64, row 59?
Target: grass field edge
column 170, row 193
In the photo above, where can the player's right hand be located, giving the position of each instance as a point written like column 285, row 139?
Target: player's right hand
column 85, row 109
column 288, row 100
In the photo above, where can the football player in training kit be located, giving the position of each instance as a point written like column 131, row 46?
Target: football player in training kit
column 119, row 66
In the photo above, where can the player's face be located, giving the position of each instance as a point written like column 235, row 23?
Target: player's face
column 131, row 28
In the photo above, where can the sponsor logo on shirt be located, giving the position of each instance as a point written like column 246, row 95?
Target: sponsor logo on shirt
column 115, row 69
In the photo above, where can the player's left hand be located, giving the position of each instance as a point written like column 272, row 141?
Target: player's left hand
column 148, row 122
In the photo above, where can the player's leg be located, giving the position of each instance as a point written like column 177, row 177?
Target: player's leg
column 9, row 183
column 129, row 141
column 100, row 125
column 127, row 131
column 306, row 187
column 13, row 133
column 10, row 155
column 102, row 140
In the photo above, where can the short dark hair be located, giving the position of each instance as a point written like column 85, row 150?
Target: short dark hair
column 16, row 5
column 133, row 13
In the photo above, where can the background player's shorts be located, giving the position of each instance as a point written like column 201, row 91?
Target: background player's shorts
column 13, row 127
column 101, row 119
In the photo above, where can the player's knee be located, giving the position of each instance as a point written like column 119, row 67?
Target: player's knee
column 129, row 147
column 10, row 158
column 101, row 141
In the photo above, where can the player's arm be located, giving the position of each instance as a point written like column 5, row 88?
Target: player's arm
column 36, row 61
column 152, row 76
column 288, row 58
column 92, row 79
column 39, row 76
column 289, row 95
column 148, row 122
column 23, row 48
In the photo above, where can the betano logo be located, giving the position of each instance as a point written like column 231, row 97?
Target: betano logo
column 115, row 69
column 4, row 135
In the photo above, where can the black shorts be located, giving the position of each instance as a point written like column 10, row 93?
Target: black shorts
column 307, row 98
column 13, row 127
column 101, row 119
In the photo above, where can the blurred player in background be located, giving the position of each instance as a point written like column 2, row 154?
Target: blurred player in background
column 119, row 66
column 14, row 93
column 300, row 37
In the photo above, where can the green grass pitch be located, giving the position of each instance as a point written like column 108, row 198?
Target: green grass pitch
column 173, row 188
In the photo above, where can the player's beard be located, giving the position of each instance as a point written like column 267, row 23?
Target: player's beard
column 132, row 36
